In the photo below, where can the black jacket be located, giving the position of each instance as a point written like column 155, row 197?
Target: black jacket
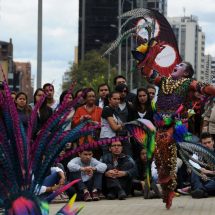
column 130, row 97
column 133, row 115
column 97, row 102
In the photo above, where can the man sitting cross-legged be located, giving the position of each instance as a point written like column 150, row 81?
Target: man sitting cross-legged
column 90, row 171
column 201, row 187
column 120, row 171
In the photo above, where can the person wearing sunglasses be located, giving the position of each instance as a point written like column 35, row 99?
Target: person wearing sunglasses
column 119, row 173
column 122, row 111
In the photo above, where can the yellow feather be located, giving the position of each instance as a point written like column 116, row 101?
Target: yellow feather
column 143, row 48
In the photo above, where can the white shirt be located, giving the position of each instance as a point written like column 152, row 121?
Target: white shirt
column 101, row 103
column 141, row 115
column 122, row 107
column 54, row 106
column 197, row 166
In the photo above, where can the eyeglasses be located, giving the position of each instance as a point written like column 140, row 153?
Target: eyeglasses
column 116, row 146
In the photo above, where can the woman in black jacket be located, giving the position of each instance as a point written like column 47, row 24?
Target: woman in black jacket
column 44, row 112
column 141, row 108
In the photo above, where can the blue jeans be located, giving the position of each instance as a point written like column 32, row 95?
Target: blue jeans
column 95, row 182
column 50, row 181
column 207, row 186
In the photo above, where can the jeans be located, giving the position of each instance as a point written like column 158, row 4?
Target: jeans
column 94, row 183
column 51, row 181
column 207, row 186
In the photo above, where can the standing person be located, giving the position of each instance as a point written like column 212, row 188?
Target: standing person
column 86, row 112
column 109, row 117
column 71, row 114
column 44, row 112
column 24, row 111
column 141, row 108
column 51, row 102
column 120, row 171
column 121, row 79
column 122, row 111
column 103, row 90
column 151, row 90
column 81, row 102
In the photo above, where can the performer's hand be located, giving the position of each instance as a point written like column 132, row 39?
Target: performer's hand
column 159, row 47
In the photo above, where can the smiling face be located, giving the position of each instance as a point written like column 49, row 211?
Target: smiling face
column 180, row 71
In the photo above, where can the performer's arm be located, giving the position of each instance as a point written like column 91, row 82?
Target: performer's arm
column 147, row 71
column 202, row 88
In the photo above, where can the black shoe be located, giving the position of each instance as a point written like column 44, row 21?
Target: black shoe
column 156, row 190
column 146, row 190
column 121, row 194
column 112, row 194
column 197, row 193
column 205, row 195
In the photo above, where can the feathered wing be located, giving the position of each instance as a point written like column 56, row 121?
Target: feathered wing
column 144, row 133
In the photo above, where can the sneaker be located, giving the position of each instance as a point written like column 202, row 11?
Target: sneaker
column 156, row 190
column 197, row 194
column 95, row 196
column 87, row 197
column 184, row 191
column 112, row 194
column 121, row 194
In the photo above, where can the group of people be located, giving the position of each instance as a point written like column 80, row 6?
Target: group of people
column 118, row 169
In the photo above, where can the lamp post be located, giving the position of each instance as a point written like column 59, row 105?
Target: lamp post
column 119, row 26
column 98, row 41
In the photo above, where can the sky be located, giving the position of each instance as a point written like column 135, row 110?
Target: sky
column 18, row 20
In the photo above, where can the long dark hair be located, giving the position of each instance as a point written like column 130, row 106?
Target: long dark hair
column 140, row 164
column 27, row 109
column 44, row 107
column 109, row 96
column 63, row 94
column 137, row 105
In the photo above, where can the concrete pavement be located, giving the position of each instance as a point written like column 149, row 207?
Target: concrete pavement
column 137, row 205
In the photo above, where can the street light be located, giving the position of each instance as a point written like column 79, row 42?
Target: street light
column 98, row 41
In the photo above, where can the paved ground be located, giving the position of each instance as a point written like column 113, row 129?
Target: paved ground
column 137, row 205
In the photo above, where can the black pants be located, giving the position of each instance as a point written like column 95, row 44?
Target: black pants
column 122, row 182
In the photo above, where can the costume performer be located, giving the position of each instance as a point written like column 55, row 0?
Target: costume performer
column 175, row 93
column 22, row 168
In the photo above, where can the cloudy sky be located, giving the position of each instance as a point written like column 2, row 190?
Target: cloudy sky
column 60, row 31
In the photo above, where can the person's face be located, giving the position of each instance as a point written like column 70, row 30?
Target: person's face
column 142, row 96
column 68, row 145
column 116, row 148
column 114, row 100
column 123, row 94
column 143, row 155
column 69, row 99
column 208, row 143
column 21, row 101
column 103, row 91
column 90, row 99
column 179, row 71
column 86, row 156
column 50, row 94
column 13, row 96
column 82, row 101
column 121, row 80
column 197, row 95
column 151, row 93
column 39, row 95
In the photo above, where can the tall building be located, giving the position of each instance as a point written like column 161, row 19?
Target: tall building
column 209, row 66
column 6, row 58
column 24, row 81
column 191, row 40
column 160, row 5
column 96, row 18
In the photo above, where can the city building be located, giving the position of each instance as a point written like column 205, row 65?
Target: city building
column 6, row 58
column 191, row 41
column 160, row 5
column 209, row 70
column 98, row 18
column 65, row 78
column 22, row 79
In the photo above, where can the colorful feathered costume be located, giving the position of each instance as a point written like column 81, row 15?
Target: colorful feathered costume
column 170, row 111
column 22, row 169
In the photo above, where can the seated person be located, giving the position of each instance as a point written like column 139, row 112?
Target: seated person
column 201, row 187
column 140, row 182
column 120, row 171
column 90, row 171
